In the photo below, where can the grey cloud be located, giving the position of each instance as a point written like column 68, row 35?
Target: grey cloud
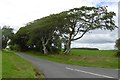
column 99, row 39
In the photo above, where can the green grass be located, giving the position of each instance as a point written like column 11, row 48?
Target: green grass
column 14, row 66
column 91, row 58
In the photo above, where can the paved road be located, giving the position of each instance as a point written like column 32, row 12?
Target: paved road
column 58, row 70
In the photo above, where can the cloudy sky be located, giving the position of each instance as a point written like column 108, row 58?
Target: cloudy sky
column 16, row 13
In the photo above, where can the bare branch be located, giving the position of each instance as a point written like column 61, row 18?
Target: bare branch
column 81, row 35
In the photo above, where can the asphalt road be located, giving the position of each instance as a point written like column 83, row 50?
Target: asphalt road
column 58, row 70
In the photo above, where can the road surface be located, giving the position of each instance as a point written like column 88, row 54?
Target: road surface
column 58, row 70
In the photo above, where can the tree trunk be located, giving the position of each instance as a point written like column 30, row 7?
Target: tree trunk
column 44, row 49
column 68, row 43
column 68, row 47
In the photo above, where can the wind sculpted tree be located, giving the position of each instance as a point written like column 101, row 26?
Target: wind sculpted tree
column 79, row 21
column 21, row 38
column 7, row 34
column 43, row 32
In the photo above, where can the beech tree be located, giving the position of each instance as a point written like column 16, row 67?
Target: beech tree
column 7, row 34
column 44, row 32
column 79, row 21
column 21, row 38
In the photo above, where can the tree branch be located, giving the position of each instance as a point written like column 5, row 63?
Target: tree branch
column 81, row 35
column 47, row 41
column 76, row 32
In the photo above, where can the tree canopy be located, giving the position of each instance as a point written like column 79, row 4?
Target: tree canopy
column 7, row 34
column 49, row 33
column 79, row 21
column 117, row 45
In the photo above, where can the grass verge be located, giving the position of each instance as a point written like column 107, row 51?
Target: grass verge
column 13, row 66
column 90, row 58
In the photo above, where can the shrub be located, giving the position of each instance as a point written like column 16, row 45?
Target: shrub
column 118, row 54
column 15, row 47
column 55, row 50
column 117, row 45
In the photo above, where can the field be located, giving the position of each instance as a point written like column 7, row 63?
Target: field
column 14, row 66
column 91, row 58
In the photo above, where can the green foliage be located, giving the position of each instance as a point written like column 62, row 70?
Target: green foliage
column 79, row 21
column 118, row 44
column 7, row 34
column 4, row 44
column 21, row 38
column 82, row 20
column 118, row 54
column 15, row 47
column 38, row 33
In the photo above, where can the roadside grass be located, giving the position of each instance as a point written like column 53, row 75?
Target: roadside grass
column 90, row 58
column 13, row 66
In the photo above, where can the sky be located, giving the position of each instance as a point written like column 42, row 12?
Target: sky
column 17, row 13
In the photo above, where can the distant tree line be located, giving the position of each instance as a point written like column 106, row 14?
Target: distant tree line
column 86, row 48
column 49, row 33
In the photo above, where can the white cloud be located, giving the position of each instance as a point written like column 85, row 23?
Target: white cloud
column 19, row 12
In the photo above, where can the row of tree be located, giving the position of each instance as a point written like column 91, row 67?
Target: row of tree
column 49, row 33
